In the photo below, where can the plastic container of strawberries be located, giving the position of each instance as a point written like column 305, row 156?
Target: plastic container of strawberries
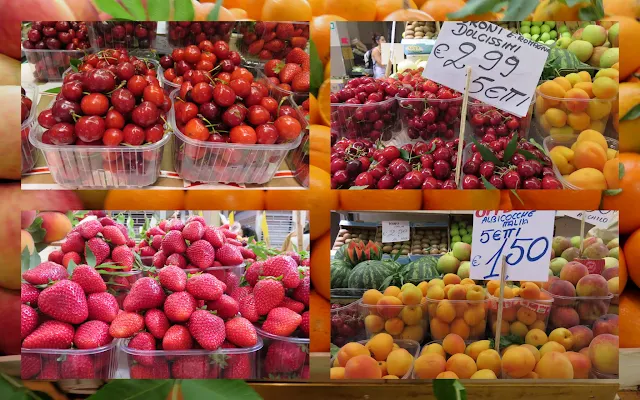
column 411, row 346
column 101, row 35
column 447, row 118
column 29, row 152
column 249, row 35
column 373, row 121
column 278, row 93
column 185, row 33
column 93, row 167
column 121, row 285
column 283, row 358
column 232, row 363
column 103, row 359
column 211, row 162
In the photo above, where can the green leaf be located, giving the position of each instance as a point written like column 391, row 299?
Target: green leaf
column 487, row 184
column 334, row 350
column 130, row 389
column 449, row 389
column 404, row 154
column 114, row 9
column 219, row 389
column 183, row 10
column 511, row 148
column 519, row 10
column 515, row 193
column 593, row 12
column 89, row 256
column 161, row 10
column 634, row 113
column 71, row 267
column 25, row 261
column 54, row 90
column 386, row 282
column 358, row 187
column 612, row 192
column 486, row 154
column 474, row 7
column 120, row 218
column 36, row 230
column 620, row 171
column 317, row 70
column 136, row 9
column 215, row 12
column 529, row 155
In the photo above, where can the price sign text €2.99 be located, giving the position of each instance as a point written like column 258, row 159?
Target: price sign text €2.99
column 523, row 237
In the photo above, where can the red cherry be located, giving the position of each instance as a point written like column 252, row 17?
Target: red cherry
column 123, row 100
column 242, row 73
column 196, row 129
column 45, row 119
column 154, row 133
column 133, row 135
column 112, row 137
column 154, row 94
column 90, row 128
column 258, row 115
column 62, row 133
column 145, row 114
column 114, row 119
column 243, row 134
column 223, row 95
column 288, row 127
column 241, row 87
column 136, row 85
column 267, row 134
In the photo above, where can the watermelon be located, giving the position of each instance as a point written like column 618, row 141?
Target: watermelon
column 340, row 271
column 372, row 274
column 340, row 252
column 423, row 269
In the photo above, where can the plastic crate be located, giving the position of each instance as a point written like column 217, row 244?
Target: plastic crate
column 185, row 33
column 467, row 318
column 567, row 312
column 347, row 324
column 400, row 321
column 520, row 315
column 231, row 363
column 210, row 162
column 568, row 140
column 29, row 153
column 103, row 359
column 445, row 122
column 373, row 121
column 128, row 37
column 524, row 123
column 50, row 65
column 411, row 346
column 282, row 357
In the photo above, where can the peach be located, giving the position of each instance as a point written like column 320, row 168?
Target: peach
column 411, row 295
column 581, row 364
column 394, row 326
column 429, row 366
column 562, row 336
column 589, row 155
column 582, row 336
column 439, row 329
column 564, row 317
column 607, row 323
column 445, row 311
column 530, row 291
column 451, row 279
column 534, row 350
column 550, row 347
column 435, row 292
column 490, row 359
column 477, row 331
column 373, row 323
column 350, row 350
column 576, row 100
column 546, row 285
column 459, row 327
column 573, row 271
column 399, row 362
column 389, row 307
column 517, row 362
column 372, row 296
column 26, row 218
column 610, row 273
column 475, row 348
column 554, row 365
column 475, row 292
column 389, row 291
column 453, row 344
column 592, row 285
column 362, row 367
column 447, row 375
column 457, row 292
column 614, row 285
column 380, row 346
column 434, row 348
column 590, row 310
column 26, row 240
column 56, row 224
column 536, row 337
column 336, row 373
column 413, row 332
column 526, row 315
column 462, row 365
column 563, row 288
column 518, row 329
column 484, row 374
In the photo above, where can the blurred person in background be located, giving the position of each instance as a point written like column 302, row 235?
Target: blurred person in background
column 379, row 67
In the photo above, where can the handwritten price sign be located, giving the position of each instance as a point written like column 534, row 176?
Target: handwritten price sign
column 599, row 218
column 523, row 237
column 505, row 66
column 395, row 231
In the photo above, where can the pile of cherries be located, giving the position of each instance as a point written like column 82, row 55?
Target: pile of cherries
column 528, row 167
column 125, row 34
column 120, row 102
column 422, row 165
column 57, row 35
column 25, row 105
column 268, row 40
column 486, row 119
column 199, row 63
column 366, row 114
column 184, row 33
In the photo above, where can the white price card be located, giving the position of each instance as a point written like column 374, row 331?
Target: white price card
column 505, row 66
column 395, row 231
column 523, row 237
column 599, row 218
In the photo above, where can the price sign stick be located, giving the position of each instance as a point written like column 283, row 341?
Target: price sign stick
column 463, row 123
column 392, row 56
column 503, row 274
column 300, row 231
column 582, row 220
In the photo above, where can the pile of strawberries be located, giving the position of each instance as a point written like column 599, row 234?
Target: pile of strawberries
column 268, row 40
column 292, row 73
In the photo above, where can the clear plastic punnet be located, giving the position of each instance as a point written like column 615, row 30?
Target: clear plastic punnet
column 567, row 311
column 278, row 92
column 347, row 324
column 411, row 346
column 29, row 153
column 50, row 65
column 520, row 315
column 458, row 316
column 430, row 118
column 123, row 34
column 373, row 121
column 283, row 357
column 400, row 321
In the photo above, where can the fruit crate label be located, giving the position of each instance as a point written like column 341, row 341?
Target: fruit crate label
column 508, row 303
column 395, row 231
column 593, row 266
column 505, row 66
column 599, row 218
column 523, row 237
column 538, row 308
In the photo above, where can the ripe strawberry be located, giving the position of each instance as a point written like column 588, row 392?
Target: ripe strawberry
column 89, row 279
column 238, row 367
column 285, row 267
column 156, row 322
column 205, row 287
column 229, row 255
column 272, row 67
column 177, row 337
column 227, row 233
column 207, row 329
column 247, row 253
column 102, row 307
column 274, row 46
column 173, row 242
column 284, row 31
column 226, row 306
column 201, row 254
column 64, row 301
column 176, row 259
column 131, row 243
column 71, row 256
column 214, row 236
column 99, row 248
column 306, row 262
column 28, row 320
column 156, row 242
column 123, row 256
column 304, row 324
column 78, row 366
column 232, row 281
column 268, row 294
column 298, row 56
column 56, row 256
column 292, row 305
column 241, row 332
column 301, row 82
column 301, row 293
column 299, row 41
column 155, row 231
column 288, row 72
column 106, row 221
column 126, row 324
column 172, row 278
column 241, row 292
column 159, row 259
column 174, row 224
column 196, row 218
column 44, row 273
column 91, row 335
column 90, row 229
column 159, row 370
column 281, row 321
column 191, row 367
column 253, row 273
column 147, row 251
column 30, row 365
column 255, row 47
column 50, row 370
column 193, row 231
column 112, row 234
column 234, row 242
column 143, row 341
column 29, row 294
column 179, row 306
column 284, row 357
column 145, row 293
column 305, row 372
column 50, row 335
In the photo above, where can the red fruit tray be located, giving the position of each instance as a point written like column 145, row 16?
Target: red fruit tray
column 372, row 121
column 29, row 153
column 283, row 357
column 258, row 37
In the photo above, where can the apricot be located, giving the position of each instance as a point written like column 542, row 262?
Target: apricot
column 541, row 105
column 433, row 348
column 504, row 328
column 453, row 344
column 564, row 82
column 519, row 329
column 460, row 307
column 492, row 285
column 508, row 293
column 474, row 315
column 530, row 291
column 589, row 154
column 457, row 292
column 336, row 373
column 605, row 88
column 446, row 291
column 445, row 311
column 389, row 307
column 413, row 332
column 611, row 173
column 26, row 240
column 484, row 374
column 526, row 315
column 351, row 350
column 429, row 366
column 439, row 329
column 552, row 89
column 436, row 282
column 509, row 314
column 588, row 179
column 462, row 365
column 391, row 291
column 373, row 323
column 562, row 158
column 490, row 359
column 383, row 368
column 561, row 132
column 539, row 324
column 610, row 73
column 380, row 346
column 536, row 337
column 562, row 336
column 451, row 279
column 371, row 297
column 551, row 347
column 533, row 350
column 467, row 281
column 580, row 363
column 477, row 331
column 556, row 117
column 394, row 326
column 362, row 367
column 423, row 286
column 554, row 365
column 600, row 124
column 574, row 78
column 517, row 362
column 399, row 362
column 586, row 86
column 435, row 292
column 576, row 100
column 447, row 375
column 585, row 76
column 459, row 327
column 411, row 315
column 579, row 121
column 475, row 292
column 504, row 350
column 56, row 224
column 411, row 296
column 475, row 348
column 336, row 362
